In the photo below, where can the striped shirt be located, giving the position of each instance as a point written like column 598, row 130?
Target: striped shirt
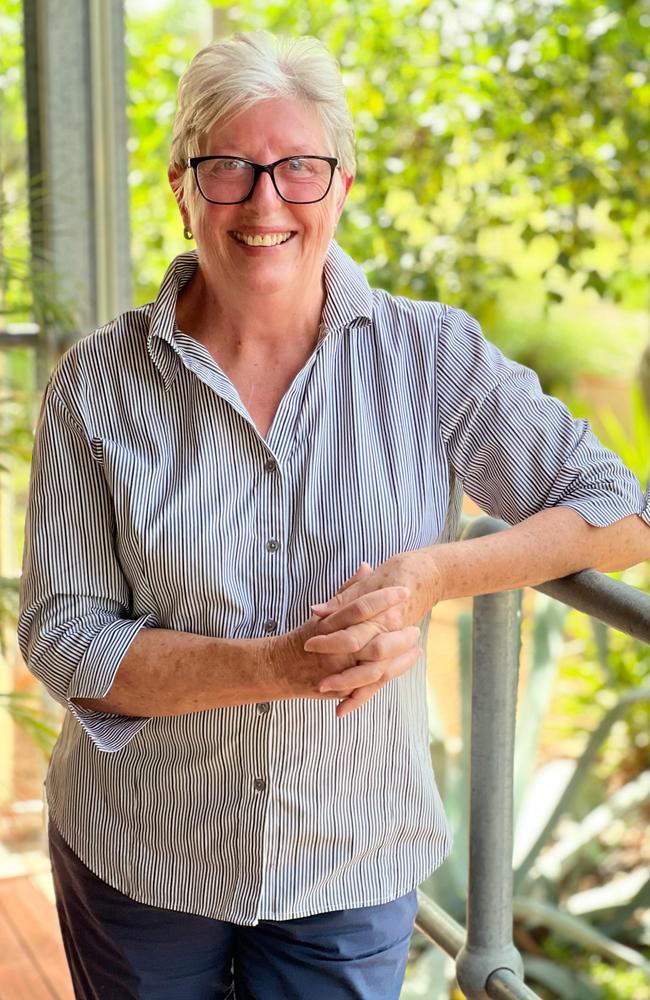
column 155, row 503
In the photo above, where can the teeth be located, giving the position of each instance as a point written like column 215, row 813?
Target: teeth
column 268, row 240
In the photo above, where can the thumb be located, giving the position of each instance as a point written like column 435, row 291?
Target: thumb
column 327, row 607
column 364, row 570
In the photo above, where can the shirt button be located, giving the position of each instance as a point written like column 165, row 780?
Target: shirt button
column 270, row 625
column 270, row 465
column 260, row 785
column 272, row 545
column 264, row 708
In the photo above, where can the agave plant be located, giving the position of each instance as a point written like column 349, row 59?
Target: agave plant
column 551, row 842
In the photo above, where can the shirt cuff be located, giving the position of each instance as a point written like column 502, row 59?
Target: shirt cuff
column 606, row 507
column 645, row 513
column 94, row 678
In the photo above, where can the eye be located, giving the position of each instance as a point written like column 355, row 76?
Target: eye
column 298, row 166
column 230, row 165
column 217, row 168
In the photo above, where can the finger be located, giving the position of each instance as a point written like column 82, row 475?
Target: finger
column 365, row 569
column 388, row 645
column 323, row 610
column 345, row 642
column 363, row 695
column 368, row 640
column 363, row 608
column 359, row 676
column 356, row 699
column 364, row 674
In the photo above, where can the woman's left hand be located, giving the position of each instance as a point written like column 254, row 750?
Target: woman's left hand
column 414, row 570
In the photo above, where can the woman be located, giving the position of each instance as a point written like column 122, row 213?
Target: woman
column 242, row 789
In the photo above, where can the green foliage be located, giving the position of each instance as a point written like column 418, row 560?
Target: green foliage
column 599, row 667
column 619, row 981
column 23, row 298
column 496, row 144
column 471, row 124
column 26, row 711
column 631, row 443
column 159, row 47
column 15, row 301
column 585, row 699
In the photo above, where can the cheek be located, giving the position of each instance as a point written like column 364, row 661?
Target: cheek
column 324, row 224
column 196, row 207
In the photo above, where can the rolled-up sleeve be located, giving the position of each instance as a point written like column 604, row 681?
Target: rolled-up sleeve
column 516, row 450
column 75, row 623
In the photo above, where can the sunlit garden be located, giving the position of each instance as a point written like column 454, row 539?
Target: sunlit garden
column 503, row 167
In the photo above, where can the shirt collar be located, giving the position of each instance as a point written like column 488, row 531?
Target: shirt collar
column 348, row 297
column 348, row 301
column 162, row 345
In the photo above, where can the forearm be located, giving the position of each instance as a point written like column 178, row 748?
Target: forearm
column 171, row 673
column 546, row 546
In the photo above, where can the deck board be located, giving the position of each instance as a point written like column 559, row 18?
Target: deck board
column 32, row 960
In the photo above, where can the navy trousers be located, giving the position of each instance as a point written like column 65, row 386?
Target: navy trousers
column 118, row 949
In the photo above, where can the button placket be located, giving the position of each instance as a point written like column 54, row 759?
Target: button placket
column 271, row 600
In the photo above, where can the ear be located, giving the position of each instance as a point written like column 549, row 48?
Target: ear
column 344, row 187
column 174, row 177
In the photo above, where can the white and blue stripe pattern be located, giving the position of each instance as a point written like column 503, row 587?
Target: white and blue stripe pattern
column 152, row 503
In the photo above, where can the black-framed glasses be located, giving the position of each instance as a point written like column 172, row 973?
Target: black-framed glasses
column 229, row 180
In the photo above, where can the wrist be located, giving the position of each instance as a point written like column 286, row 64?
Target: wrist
column 278, row 655
column 432, row 575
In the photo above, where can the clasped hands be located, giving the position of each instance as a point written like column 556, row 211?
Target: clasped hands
column 367, row 634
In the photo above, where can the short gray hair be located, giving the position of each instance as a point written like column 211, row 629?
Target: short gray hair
column 231, row 75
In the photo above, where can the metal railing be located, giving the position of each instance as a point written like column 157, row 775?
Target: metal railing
column 487, row 963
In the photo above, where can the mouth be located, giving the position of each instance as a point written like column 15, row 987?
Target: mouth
column 261, row 239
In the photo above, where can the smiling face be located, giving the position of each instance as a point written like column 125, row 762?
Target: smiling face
column 266, row 245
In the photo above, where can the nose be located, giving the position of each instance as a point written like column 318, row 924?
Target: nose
column 264, row 192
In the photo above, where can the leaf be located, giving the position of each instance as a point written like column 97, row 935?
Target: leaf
column 26, row 712
column 597, row 282
column 594, row 743
column 564, row 983
column 574, row 929
column 556, row 861
column 613, row 895
column 548, row 639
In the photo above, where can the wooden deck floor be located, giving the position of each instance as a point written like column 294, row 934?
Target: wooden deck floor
column 32, row 962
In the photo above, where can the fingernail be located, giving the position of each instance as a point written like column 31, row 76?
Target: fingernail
column 324, row 688
column 318, row 607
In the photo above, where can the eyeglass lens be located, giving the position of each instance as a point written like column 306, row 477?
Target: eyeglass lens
column 299, row 179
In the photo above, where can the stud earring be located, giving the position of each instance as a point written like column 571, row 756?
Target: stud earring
column 187, row 233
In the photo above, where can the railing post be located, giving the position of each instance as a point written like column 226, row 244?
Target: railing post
column 495, row 646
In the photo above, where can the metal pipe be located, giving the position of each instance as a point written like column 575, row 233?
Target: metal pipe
column 489, row 944
column 436, row 924
column 504, row 985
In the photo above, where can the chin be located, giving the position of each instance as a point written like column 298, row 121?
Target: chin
column 275, row 280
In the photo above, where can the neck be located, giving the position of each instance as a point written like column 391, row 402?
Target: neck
column 272, row 322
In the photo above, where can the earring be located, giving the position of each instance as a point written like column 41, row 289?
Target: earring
column 187, row 233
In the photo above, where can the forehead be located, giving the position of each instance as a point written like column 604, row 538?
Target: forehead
column 279, row 126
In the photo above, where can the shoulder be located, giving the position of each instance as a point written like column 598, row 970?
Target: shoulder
column 433, row 319
column 99, row 365
column 438, row 328
column 401, row 312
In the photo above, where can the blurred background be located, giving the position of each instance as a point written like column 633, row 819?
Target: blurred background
column 504, row 167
